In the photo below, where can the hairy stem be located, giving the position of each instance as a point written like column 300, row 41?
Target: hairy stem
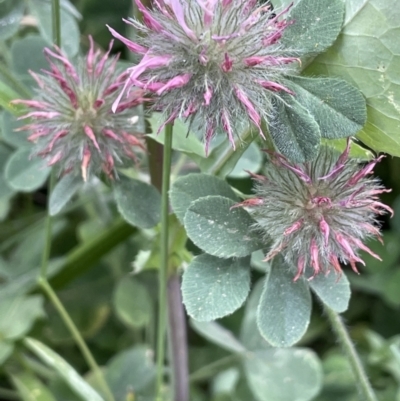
column 80, row 342
column 56, row 19
column 364, row 386
column 163, row 273
column 178, row 339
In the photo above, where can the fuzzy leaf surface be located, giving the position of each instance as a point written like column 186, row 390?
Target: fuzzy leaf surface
column 332, row 291
column 284, row 310
column 316, row 25
column 18, row 314
column 25, row 174
column 63, row 192
column 139, row 203
column 293, row 374
column 191, row 187
column 338, row 107
column 132, row 303
column 294, row 130
column 213, row 288
column 367, row 54
column 69, row 27
column 130, row 369
column 11, row 13
column 219, row 230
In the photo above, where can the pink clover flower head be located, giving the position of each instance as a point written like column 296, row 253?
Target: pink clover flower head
column 318, row 214
column 71, row 122
column 212, row 62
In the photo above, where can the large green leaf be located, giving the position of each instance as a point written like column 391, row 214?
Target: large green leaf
column 213, row 288
column 338, row 107
column 294, row 130
column 316, row 25
column 65, row 370
column 219, row 230
column 132, row 302
column 11, row 13
column 191, row 187
column 64, row 190
column 14, row 138
column 367, row 54
column 27, row 54
column 332, row 290
column 6, row 95
column 285, row 306
column 293, row 374
column 139, row 203
column 250, row 335
column 25, row 174
column 132, row 369
column 18, row 314
column 69, row 27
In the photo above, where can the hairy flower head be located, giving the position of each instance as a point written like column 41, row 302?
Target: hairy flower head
column 214, row 62
column 318, row 214
column 72, row 124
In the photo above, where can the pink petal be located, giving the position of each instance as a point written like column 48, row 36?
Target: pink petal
column 294, row 227
column 85, row 163
column 227, row 64
column 324, row 227
column 180, row 16
column 89, row 132
column 132, row 46
column 176, row 82
column 148, row 19
column 274, row 86
column 301, row 264
column 228, row 128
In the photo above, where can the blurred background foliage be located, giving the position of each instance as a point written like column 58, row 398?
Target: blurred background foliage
column 95, row 253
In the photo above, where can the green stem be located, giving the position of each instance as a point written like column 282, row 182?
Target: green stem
column 163, row 273
column 56, row 18
column 77, row 337
column 365, row 388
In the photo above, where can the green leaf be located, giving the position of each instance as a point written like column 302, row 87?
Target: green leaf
column 332, row 290
column 219, row 230
column 65, row 370
column 139, row 203
column 27, row 54
column 356, row 150
column 11, row 13
column 251, row 160
column 64, row 190
column 132, row 302
column 285, row 306
column 25, row 174
column 182, row 140
column 294, row 131
column 250, row 335
column 191, row 187
column 132, row 369
column 30, row 388
column 69, row 27
column 218, row 335
column 6, row 349
column 367, row 54
column 18, row 314
column 223, row 158
column 9, row 125
column 293, row 374
column 6, row 95
column 338, row 107
column 316, row 26
column 213, row 288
